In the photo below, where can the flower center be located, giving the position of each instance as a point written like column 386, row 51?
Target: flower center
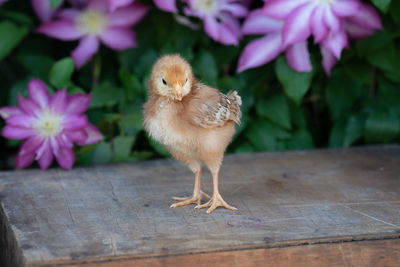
column 208, row 7
column 49, row 124
column 92, row 22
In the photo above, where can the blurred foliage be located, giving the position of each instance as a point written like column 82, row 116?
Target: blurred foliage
column 282, row 109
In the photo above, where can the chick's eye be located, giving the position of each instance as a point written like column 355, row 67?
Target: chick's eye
column 164, row 82
column 186, row 80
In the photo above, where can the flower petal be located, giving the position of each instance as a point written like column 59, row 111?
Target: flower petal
column 68, row 14
column 328, row 60
column 166, row 5
column 118, row 38
column 21, row 120
column 229, row 30
column 318, row 27
column 336, row 42
column 345, row 8
column 42, row 9
column 15, row 133
column 354, row 31
column 75, row 122
column 77, row 136
column 211, row 27
column 65, row 157
column 24, row 160
column 30, row 145
column 101, row 5
column 129, row 15
column 93, row 135
column 78, row 103
column 260, row 52
column 114, row 4
column 258, row 23
column 63, row 140
column 28, row 106
column 58, row 102
column 27, row 152
column 45, row 155
column 367, row 18
column 298, row 57
column 38, row 92
column 237, row 10
column 331, row 21
column 60, row 29
column 297, row 28
column 280, row 9
column 87, row 47
column 6, row 112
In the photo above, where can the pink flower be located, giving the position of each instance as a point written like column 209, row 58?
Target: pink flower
column 289, row 23
column 50, row 125
column 263, row 50
column 220, row 18
column 93, row 25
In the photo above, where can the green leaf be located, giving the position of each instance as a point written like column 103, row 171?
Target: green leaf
column 301, row 139
column 395, row 11
column 295, row 84
column 38, row 65
column 102, row 153
column 276, row 109
column 11, row 35
column 337, row 134
column 205, row 68
column 383, row 58
column 131, row 124
column 264, row 135
column 342, row 93
column 55, row 3
column 122, row 146
column 383, row 5
column 61, row 72
column 131, row 83
column 381, row 127
column 354, row 129
column 106, row 94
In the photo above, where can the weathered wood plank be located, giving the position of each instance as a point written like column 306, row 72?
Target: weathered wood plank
column 121, row 210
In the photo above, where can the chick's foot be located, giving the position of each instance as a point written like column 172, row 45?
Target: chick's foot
column 184, row 201
column 215, row 202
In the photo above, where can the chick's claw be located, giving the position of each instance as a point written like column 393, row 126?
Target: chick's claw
column 215, row 202
column 184, row 201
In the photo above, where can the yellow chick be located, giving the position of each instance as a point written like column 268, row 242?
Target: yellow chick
column 193, row 121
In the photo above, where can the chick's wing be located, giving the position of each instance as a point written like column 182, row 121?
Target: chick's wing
column 211, row 108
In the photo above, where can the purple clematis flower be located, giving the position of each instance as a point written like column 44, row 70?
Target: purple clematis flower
column 50, row 125
column 95, row 24
column 264, row 50
column 220, row 18
column 289, row 23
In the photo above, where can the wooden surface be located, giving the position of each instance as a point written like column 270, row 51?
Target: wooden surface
column 295, row 208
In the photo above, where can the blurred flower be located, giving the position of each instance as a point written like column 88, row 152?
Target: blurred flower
column 93, row 24
column 114, row 4
column 330, row 22
column 264, row 50
column 43, row 9
column 49, row 125
column 2, row 2
column 220, row 18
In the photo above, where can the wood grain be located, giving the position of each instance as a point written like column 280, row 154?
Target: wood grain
column 286, row 201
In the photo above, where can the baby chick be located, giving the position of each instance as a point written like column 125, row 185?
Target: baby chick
column 193, row 121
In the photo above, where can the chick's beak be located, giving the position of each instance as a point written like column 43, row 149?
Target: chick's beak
column 178, row 92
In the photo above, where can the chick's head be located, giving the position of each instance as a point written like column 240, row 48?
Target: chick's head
column 171, row 77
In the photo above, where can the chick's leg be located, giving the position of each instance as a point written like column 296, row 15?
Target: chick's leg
column 216, row 199
column 197, row 193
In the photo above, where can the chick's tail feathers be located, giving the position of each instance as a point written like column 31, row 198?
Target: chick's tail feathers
column 235, row 101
